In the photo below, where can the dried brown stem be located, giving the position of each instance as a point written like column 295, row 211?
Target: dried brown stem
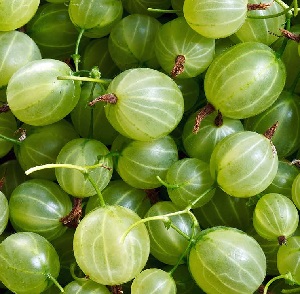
column 269, row 133
column 153, row 195
column 4, row 108
column 116, row 289
column 109, row 98
column 296, row 162
column 178, row 67
column 219, row 119
column 289, row 35
column 2, row 182
column 73, row 218
column 261, row 289
column 282, row 240
column 203, row 112
column 22, row 132
column 258, row 6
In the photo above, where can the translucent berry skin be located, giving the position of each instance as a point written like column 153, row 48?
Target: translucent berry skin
column 226, row 260
column 96, row 17
column 4, row 212
column 177, row 38
column 275, row 216
column 16, row 50
column 285, row 110
column 244, row 80
column 100, row 251
column 16, row 13
column 37, row 97
column 244, row 163
column 288, row 258
column 149, row 104
column 258, row 30
column 131, row 42
column 27, row 259
column 215, row 19
column 153, row 280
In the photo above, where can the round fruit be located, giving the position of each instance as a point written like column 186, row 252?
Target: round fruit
column 149, row 104
column 102, row 253
column 244, row 80
column 35, row 95
column 227, row 260
column 244, row 163
column 215, row 19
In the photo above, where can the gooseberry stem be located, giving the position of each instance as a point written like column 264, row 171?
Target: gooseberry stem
column 191, row 241
column 110, row 98
column 295, row 3
column 55, row 165
column 167, row 185
column 202, row 113
column 206, row 192
column 91, row 128
column 164, row 10
column 164, row 218
column 85, row 79
column 4, row 108
column 11, row 140
column 287, row 276
column 296, row 290
column 83, row 169
column 286, row 11
column 72, row 271
column 76, row 56
column 98, row 191
column 178, row 67
column 280, row 51
column 50, row 277
column 269, row 133
column 185, row 236
column 73, row 218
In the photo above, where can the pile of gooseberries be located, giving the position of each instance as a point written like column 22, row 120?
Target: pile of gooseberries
column 149, row 146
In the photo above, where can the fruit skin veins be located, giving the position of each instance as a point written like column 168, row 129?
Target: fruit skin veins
column 227, row 260
column 244, row 80
column 244, row 163
column 149, row 104
column 101, row 252
column 35, row 95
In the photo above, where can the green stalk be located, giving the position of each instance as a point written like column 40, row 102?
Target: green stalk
column 169, row 186
column 287, row 276
column 72, row 271
column 83, row 169
column 98, row 191
column 50, row 277
column 91, row 128
column 296, row 290
column 185, row 236
column 76, row 56
column 164, row 218
column 183, row 255
column 206, row 192
column 295, row 2
column 164, row 10
column 11, row 140
column 56, row 165
column 85, row 79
